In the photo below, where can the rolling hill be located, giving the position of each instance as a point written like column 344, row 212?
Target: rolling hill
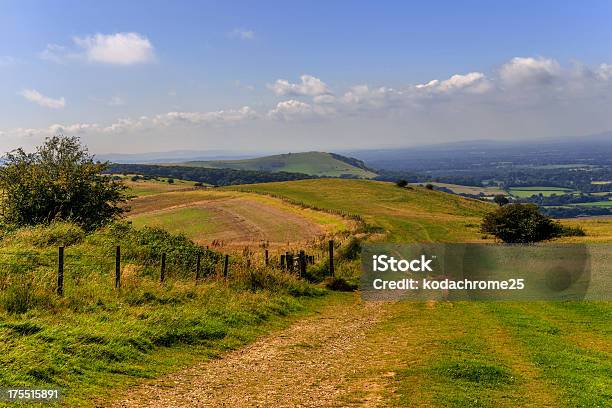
column 312, row 163
column 404, row 215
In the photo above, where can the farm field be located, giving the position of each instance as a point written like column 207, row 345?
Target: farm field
column 344, row 351
column 234, row 220
column 142, row 187
column 606, row 203
column 413, row 214
column 460, row 189
column 523, row 192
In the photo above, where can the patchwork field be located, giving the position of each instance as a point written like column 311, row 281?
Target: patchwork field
column 234, row 220
column 413, row 214
column 523, row 192
column 142, row 187
column 460, row 189
column 607, row 203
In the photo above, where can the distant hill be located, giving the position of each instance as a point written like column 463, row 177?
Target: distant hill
column 312, row 163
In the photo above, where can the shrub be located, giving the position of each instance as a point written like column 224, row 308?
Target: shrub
column 60, row 181
column 523, row 223
column 401, row 183
column 500, row 200
column 340, row 285
column 429, row 186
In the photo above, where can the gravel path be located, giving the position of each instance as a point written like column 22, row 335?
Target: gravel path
column 313, row 363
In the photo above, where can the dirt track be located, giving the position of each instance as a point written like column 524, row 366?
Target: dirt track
column 310, row 364
column 234, row 220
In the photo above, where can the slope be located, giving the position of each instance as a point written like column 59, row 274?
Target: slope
column 312, row 163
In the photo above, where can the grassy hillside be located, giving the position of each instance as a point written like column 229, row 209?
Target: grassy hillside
column 406, row 214
column 97, row 337
column 313, row 163
column 141, row 187
column 233, row 219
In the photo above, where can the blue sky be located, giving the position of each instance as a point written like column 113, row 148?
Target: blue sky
column 145, row 76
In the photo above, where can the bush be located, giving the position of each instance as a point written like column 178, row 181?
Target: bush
column 340, row 285
column 401, row 183
column 500, row 200
column 429, row 186
column 523, row 223
column 60, row 181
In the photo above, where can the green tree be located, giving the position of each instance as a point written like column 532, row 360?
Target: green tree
column 500, row 200
column 401, row 183
column 522, row 223
column 59, row 181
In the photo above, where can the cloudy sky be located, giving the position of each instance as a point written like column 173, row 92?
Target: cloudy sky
column 144, row 76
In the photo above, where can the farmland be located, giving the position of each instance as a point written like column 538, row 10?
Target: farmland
column 606, row 203
column 234, row 220
column 459, row 189
column 141, row 187
column 404, row 214
column 523, row 192
column 435, row 354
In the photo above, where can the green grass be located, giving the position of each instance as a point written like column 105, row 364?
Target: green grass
column 314, row 163
column 460, row 189
column 607, row 203
column 524, row 192
column 96, row 338
column 193, row 222
column 141, row 187
column 494, row 354
column 404, row 214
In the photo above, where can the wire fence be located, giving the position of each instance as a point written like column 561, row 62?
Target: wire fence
column 64, row 263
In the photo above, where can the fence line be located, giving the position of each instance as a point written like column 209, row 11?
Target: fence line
column 287, row 262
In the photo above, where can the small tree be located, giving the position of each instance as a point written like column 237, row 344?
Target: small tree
column 170, row 181
column 500, row 200
column 520, row 223
column 429, row 186
column 60, row 180
column 401, row 183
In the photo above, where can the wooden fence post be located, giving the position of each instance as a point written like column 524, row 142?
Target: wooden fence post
column 60, row 271
column 162, row 274
column 198, row 268
column 225, row 266
column 267, row 260
column 290, row 262
column 118, row 267
column 282, row 261
column 302, row 263
column 331, row 257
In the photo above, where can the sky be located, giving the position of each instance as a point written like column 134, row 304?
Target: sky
column 146, row 76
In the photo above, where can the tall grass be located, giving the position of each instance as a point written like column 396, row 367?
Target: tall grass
column 96, row 336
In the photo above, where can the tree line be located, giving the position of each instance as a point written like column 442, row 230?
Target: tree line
column 216, row 177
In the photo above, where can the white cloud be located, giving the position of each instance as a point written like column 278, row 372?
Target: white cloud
column 216, row 117
column 290, row 109
column 529, row 71
column 33, row 95
column 56, row 53
column 363, row 96
column 308, row 86
column 242, row 34
column 474, row 82
column 605, row 72
column 118, row 48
